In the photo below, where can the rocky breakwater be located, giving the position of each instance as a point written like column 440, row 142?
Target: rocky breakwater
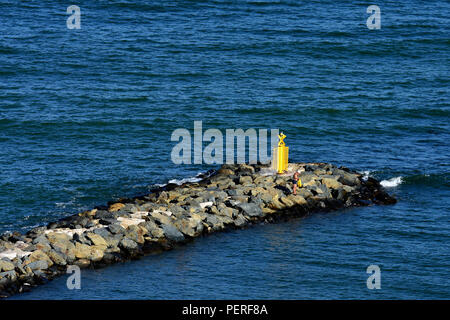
column 233, row 197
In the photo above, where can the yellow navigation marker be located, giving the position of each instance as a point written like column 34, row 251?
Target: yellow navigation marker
column 280, row 155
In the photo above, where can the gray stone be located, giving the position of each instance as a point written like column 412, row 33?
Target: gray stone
column 189, row 226
column 128, row 244
column 349, row 179
column 56, row 258
column 81, row 238
column 113, row 241
column 41, row 239
column 103, row 232
column 245, row 180
column 172, row 233
column 251, row 209
column 214, row 222
column 136, row 233
column 235, row 192
column 116, row 228
column 104, row 214
column 38, row 265
column 6, row 265
column 8, row 275
column 240, row 221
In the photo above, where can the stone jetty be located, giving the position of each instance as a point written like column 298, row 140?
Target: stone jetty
column 235, row 196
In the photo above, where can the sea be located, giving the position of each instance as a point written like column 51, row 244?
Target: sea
column 87, row 116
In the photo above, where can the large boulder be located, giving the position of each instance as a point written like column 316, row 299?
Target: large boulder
column 136, row 233
column 6, row 265
column 245, row 180
column 116, row 228
column 349, row 179
column 190, row 226
column 96, row 239
column 56, row 257
column 38, row 265
column 115, row 207
column 162, row 218
column 250, row 209
column 153, row 229
column 128, row 244
column 92, row 253
column 332, row 183
column 38, row 255
column 172, row 233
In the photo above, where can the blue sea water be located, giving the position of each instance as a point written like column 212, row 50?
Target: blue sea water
column 86, row 116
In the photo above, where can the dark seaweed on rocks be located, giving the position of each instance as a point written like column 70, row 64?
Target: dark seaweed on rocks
column 235, row 196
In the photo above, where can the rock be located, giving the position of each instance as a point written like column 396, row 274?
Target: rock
column 310, row 183
column 93, row 253
column 245, row 168
column 82, row 251
column 235, row 192
column 240, row 221
column 115, row 207
column 96, row 253
column 305, row 193
column 60, row 242
column 107, row 221
column 172, row 233
column 6, row 265
column 297, row 199
column 204, row 205
column 240, row 199
column 287, row 202
column 41, row 239
column 116, row 228
column 103, row 232
column 276, row 204
column 126, row 222
column 349, row 179
column 96, row 239
column 225, row 184
column 161, row 218
column 91, row 224
column 37, row 231
column 189, row 226
column 245, row 180
column 153, row 229
column 136, row 233
column 78, row 222
column 266, row 210
column 128, row 245
column 38, row 255
column 82, row 238
column 113, row 241
column 83, row 263
column 214, row 222
column 176, row 210
column 227, row 211
column 56, row 258
column 225, row 171
column 251, row 209
column 38, row 265
column 58, row 237
column 332, row 183
column 8, row 275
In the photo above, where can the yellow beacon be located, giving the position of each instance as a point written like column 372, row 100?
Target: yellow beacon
column 280, row 155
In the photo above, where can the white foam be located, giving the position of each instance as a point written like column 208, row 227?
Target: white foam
column 393, row 182
column 181, row 181
column 199, row 177
column 365, row 174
